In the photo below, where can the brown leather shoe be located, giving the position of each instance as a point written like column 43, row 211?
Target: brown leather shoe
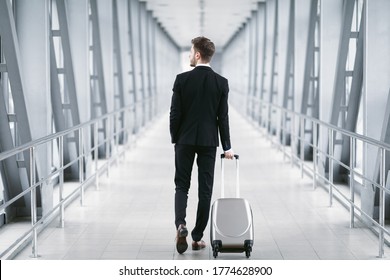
column 198, row 245
column 181, row 239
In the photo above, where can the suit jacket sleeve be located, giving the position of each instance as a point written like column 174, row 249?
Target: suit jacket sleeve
column 223, row 117
column 175, row 112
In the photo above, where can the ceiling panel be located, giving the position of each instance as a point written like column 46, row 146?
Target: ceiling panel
column 215, row 19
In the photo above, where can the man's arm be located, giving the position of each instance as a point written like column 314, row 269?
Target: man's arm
column 223, row 122
column 175, row 112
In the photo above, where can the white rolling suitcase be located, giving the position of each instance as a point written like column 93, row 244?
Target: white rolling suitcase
column 231, row 227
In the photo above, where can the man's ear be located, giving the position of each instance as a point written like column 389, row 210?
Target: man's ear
column 197, row 55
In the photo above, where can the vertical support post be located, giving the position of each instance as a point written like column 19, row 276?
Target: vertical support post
column 292, row 138
column 315, row 145
column 117, row 132
column 129, row 130
column 61, row 186
column 96, row 152
column 81, row 166
column 267, row 124
column 132, row 47
column 382, row 201
column 352, row 158
column 148, row 65
column 331, row 16
column 141, row 30
column 302, row 142
column 286, row 28
column 284, row 116
column 108, row 143
column 264, row 38
column 119, row 91
column 34, row 245
column 273, row 94
column 330, row 141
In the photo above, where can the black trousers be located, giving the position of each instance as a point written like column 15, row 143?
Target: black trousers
column 184, row 161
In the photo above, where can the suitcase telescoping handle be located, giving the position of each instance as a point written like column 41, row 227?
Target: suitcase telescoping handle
column 223, row 175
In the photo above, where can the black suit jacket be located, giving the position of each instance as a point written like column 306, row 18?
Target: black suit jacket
column 199, row 108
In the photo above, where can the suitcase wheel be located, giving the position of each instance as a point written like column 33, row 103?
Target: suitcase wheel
column 248, row 252
column 248, row 248
column 215, row 253
column 216, row 245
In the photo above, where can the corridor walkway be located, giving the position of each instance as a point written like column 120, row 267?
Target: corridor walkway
column 131, row 215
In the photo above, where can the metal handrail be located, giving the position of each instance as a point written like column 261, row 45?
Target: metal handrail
column 58, row 209
column 45, row 139
column 298, row 135
column 364, row 138
column 48, row 138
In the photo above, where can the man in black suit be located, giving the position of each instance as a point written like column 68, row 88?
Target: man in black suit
column 199, row 109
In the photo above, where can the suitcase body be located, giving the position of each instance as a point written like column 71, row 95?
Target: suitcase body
column 231, row 227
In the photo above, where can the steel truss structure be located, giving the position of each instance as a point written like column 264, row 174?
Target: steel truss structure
column 92, row 58
column 318, row 60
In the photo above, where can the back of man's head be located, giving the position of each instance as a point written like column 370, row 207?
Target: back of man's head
column 205, row 47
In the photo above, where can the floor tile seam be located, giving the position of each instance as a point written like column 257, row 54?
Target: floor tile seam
column 79, row 239
column 39, row 241
column 74, row 248
column 304, row 233
column 343, row 241
column 317, row 251
column 269, row 228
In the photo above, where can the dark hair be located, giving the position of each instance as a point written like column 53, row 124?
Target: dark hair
column 205, row 47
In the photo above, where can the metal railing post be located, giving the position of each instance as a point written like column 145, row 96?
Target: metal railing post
column 61, row 179
column 81, row 166
column 34, row 244
column 108, row 144
column 96, row 153
column 352, row 158
column 268, row 124
column 382, row 201
column 315, row 144
column 292, row 139
column 302, row 144
column 330, row 140
column 128, row 130
column 284, row 134
column 117, row 134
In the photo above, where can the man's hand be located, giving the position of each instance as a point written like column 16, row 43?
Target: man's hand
column 229, row 154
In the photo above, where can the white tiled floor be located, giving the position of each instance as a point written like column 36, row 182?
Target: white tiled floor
column 131, row 215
